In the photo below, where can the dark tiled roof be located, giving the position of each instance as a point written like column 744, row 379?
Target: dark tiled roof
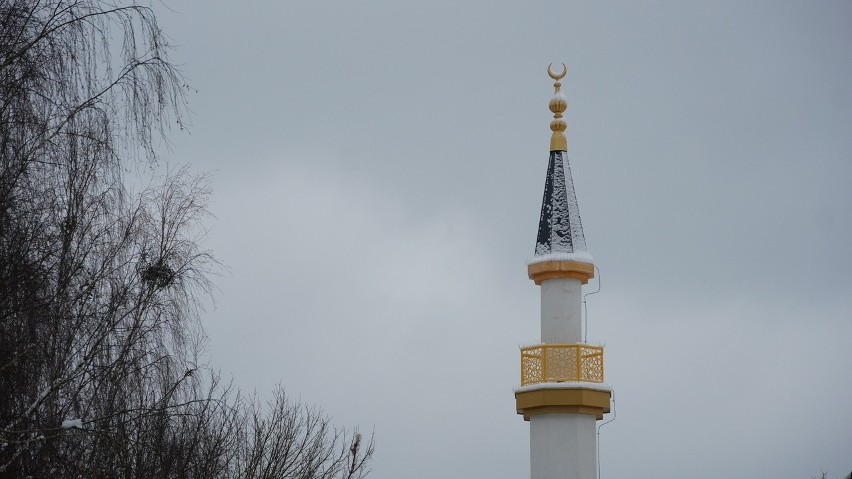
column 559, row 229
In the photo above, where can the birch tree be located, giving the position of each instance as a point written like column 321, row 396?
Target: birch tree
column 100, row 286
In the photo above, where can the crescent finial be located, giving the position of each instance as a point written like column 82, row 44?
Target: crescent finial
column 555, row 76
column 557, row 105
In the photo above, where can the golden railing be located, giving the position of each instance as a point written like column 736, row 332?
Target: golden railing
column 561, row 362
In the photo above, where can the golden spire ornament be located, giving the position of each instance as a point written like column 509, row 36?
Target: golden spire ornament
column 557, row 105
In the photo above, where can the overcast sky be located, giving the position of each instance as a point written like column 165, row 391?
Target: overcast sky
column 378, row 168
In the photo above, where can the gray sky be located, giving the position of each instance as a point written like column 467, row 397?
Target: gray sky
column 379, row 168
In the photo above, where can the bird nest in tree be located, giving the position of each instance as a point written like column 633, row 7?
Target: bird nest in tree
column 158, row 274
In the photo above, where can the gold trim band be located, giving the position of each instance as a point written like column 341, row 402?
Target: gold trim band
column 545, row 270
column 562, row 401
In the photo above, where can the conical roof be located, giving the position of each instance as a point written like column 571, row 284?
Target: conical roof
column 560, row 231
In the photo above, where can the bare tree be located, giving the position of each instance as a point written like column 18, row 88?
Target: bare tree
column 88, row 329
column 100, row 287
column 290, row 439
column 824, row 475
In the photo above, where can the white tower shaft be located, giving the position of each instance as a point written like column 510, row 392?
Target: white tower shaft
column 561, row 321
column 560, row 446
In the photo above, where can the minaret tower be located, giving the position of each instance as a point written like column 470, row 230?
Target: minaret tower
column 562, row 392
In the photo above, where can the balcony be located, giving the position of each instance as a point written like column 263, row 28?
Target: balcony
column 554, row 363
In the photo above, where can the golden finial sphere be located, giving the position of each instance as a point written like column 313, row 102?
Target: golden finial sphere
column 558, row 105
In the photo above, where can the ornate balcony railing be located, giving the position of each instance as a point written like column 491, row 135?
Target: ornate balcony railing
column 547, row 363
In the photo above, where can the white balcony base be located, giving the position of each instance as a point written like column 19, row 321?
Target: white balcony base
column 564, row 385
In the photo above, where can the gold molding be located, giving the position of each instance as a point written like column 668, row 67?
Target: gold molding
column 562, row 401
column 545, row 270
column 557, row 105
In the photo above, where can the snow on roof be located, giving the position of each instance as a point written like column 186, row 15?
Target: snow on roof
column 560, row 231
column 580, row 256
column 564, row 385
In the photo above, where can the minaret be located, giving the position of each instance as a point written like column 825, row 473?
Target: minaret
column 562, row 392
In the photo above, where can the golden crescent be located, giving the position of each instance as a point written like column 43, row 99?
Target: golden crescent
column 554, row 75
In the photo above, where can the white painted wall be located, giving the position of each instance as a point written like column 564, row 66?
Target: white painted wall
column 562, row 446
column 561, row 321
